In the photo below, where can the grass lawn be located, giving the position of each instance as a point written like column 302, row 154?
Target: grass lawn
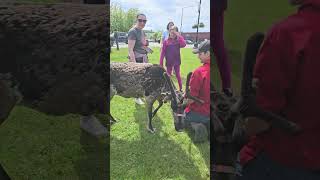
column 137, row 154
column 242, row 19
column 37, row 146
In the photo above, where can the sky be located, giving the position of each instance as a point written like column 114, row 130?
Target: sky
column 160, row 12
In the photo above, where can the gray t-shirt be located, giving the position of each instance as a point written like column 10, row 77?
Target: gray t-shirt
column 136, row 34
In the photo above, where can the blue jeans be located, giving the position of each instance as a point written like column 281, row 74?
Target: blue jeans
column 263, row 168
column 197, row 118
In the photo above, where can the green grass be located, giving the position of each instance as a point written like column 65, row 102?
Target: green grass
column 167, row 154
column 37, row 146
column 242, row 19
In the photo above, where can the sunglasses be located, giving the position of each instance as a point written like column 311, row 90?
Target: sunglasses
column 141, row 20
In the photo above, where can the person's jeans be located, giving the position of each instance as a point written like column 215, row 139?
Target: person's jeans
column 263, row 168
column 197, row 118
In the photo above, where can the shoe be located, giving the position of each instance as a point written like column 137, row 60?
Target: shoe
column 93, row 126
column 139, row 101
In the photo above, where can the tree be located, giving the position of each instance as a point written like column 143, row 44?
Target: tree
column 121, row 20
column 201, row 25
column 157, row 36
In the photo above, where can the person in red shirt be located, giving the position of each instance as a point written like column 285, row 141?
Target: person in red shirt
column 200, row 87
column 285, row 75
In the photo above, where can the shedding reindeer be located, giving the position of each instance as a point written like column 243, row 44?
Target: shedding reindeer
column 149, row 81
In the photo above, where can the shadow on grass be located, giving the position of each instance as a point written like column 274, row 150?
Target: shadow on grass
column 153, row 156
column 94, row 164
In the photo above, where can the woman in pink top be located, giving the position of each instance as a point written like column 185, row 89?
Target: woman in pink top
column 171, row 51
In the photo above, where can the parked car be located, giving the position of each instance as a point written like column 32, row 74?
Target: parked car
column 188, row 41
column 122, row 37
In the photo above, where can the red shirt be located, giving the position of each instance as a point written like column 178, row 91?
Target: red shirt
column 200, row 88
column 287, row 68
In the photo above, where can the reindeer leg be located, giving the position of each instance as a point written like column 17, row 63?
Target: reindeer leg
column 150, row 100
column 113, row 92
column 159, row 106
column 111, row 118
column 3, row 174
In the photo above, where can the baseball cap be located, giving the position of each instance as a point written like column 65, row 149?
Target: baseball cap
column 204, row 46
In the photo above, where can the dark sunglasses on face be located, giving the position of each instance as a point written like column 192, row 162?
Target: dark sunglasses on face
column 141, row 20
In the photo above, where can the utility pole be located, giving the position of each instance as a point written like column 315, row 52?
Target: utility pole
column 182, row 15
column 196, row 44
column 181, row 20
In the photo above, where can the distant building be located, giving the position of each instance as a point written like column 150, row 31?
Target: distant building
column 192, row 36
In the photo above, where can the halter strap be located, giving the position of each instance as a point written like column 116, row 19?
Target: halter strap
column 223, row 169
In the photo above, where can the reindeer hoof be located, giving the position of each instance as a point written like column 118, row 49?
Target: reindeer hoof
column 152, row 130
column 112, row 121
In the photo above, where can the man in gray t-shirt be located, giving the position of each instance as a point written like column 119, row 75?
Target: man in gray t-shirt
column 137, row 35
column 137, row 41
column 137, row 44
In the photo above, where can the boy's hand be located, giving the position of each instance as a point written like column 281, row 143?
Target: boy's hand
column 254, row 126
column 190, row 101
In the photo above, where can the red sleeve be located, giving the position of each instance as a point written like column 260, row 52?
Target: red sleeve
column 195, row 83
column 275, row 69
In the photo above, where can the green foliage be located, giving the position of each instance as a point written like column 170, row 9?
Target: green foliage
column 242, row 19
column 201, row 25
column 121, row 20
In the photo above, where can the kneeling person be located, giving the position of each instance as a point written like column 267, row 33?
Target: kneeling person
column 198, row 114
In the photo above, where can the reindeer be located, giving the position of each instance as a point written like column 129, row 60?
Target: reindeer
column 136, row 80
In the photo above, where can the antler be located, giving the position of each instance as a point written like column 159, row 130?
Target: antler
column 246, row 104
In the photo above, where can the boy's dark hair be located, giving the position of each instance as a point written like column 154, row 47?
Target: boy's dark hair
column 169, row 24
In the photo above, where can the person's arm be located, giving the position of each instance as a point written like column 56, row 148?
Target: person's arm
column 195, row 86
column 275, row 70
column 163, row 50
column 131, row 42
column 181, row 40
column 162, row 38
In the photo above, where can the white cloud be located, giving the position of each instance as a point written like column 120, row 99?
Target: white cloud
column 159, row 13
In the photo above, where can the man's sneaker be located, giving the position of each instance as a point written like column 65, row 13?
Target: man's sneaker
column 139, row 101
column 93, row 126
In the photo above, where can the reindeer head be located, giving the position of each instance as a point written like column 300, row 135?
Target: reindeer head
column 176, row 98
